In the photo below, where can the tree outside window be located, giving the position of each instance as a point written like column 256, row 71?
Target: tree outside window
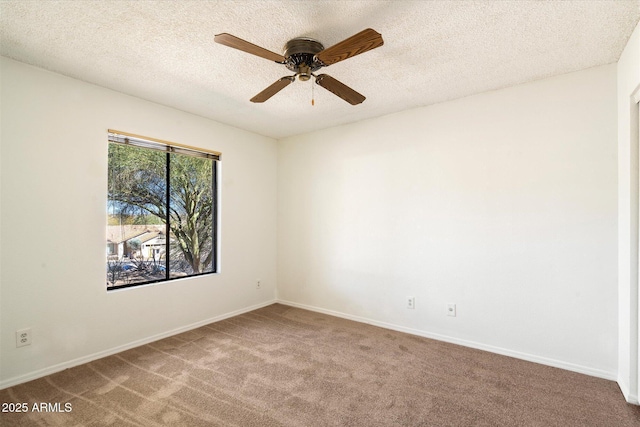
column 153, row 194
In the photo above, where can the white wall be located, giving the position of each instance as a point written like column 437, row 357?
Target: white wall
column 503, row 203
column 628, row 82
column 53, row 212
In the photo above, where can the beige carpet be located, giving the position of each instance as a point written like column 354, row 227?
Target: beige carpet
column 282, row 366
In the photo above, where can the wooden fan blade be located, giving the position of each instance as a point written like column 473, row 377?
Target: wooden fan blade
column 273, row 89
column 245, row 46
column 339, row 89
column 354, row 45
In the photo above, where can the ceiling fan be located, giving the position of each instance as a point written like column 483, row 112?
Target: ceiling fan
column 304, row 56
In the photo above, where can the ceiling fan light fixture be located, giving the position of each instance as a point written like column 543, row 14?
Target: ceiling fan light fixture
column 304, row 73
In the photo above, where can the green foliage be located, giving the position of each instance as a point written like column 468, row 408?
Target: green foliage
column 134, row 244
column 129, row 219
column 137, row 180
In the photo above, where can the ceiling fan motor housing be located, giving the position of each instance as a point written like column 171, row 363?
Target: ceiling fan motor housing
column 300, row 55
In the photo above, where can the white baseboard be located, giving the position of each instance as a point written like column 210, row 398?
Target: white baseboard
column 466, row 343
column 91, row 357
column 626, row 392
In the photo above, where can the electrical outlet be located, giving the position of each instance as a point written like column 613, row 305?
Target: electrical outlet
column 411, row 302
column 258, row 284
column 451, row 310
column 23, row 337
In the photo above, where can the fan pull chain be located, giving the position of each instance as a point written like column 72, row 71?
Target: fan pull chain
column 313, row 102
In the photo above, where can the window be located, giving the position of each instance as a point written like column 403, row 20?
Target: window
column 161, row 211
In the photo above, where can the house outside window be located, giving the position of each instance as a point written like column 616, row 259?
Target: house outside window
column 158, row 189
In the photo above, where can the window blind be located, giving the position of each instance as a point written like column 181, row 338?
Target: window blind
column 160, row 145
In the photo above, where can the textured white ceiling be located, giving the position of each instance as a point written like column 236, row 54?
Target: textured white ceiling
column 434, row 51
